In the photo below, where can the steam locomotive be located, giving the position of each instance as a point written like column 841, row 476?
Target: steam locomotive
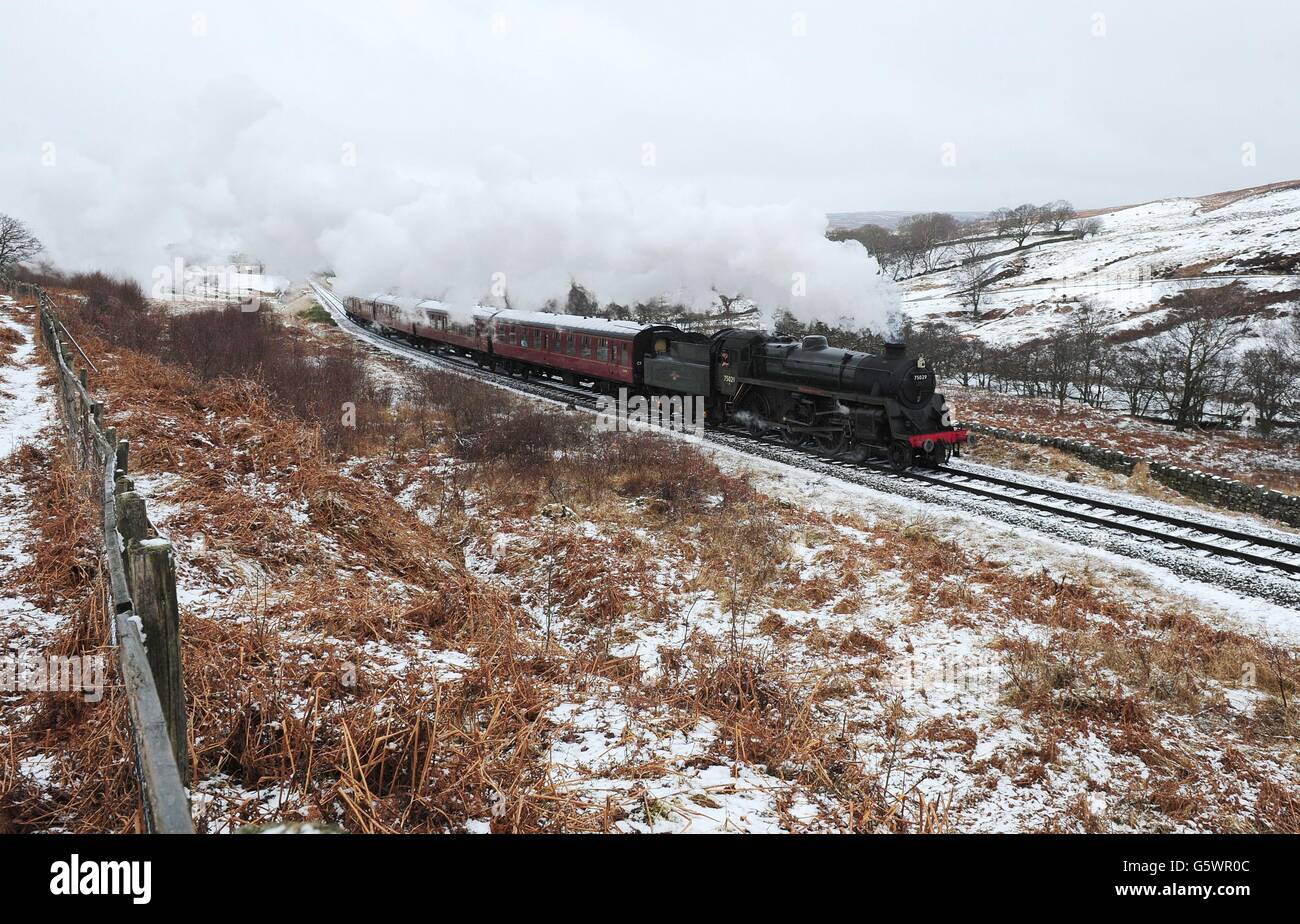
column 806, row 392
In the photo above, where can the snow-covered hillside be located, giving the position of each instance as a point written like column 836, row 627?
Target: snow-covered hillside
column 1142, row 254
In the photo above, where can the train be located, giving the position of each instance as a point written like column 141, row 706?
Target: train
column 807, row 393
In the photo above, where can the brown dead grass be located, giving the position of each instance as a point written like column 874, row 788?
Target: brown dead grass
column 287, row 693
column 1264, row 461
column 94, row 786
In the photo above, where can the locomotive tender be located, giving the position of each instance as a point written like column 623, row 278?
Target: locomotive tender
column 805, row 391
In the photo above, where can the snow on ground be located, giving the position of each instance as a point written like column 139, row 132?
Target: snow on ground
column 26, row 407
column 1028, row 551
column 25, row 410
column 1119, row 271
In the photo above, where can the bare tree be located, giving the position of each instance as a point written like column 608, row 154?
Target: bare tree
column 1091, row 353
column 580, row 301
column 1058, row 214
column 971, row 249
column 1086, row 227
column 1134, row 374
column 1022, row 221
column 974, row 278
column 1060, row 365
column 1000, row 221
column 922, row 236
column 1268, row 379
column 1196, row 365
column 17, row 243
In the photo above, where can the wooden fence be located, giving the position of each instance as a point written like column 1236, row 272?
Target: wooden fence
column 144, row 621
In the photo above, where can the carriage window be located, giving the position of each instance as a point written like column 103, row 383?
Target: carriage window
column 602, row 351
column 523, row 336
column 557, row 342
column 586, row 348
column 572, row 338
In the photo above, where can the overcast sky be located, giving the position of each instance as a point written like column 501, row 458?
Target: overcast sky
column 837, row 105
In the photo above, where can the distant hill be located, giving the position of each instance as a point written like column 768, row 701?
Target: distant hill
column 1143, row 257
column 890, row 220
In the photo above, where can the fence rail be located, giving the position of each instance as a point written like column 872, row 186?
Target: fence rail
column 144, row 623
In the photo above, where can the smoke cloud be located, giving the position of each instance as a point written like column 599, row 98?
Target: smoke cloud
column 234, row 178
column 504, row 233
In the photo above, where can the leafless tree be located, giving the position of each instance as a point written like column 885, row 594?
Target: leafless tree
column 1058, row 214
column 1086, row 227
column 1134, row 374
column 17, row 243
column 971, row 249
column 1060, row 365
column 922, row 236
column 974, row 279
column 1091, row 353
column 1022, row 221
column 1196, row 365
column 1268, row 379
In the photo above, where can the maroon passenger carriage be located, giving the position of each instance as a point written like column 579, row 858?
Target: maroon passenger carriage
column 576, row 349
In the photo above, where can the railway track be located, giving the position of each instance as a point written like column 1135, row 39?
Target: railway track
column 1261, row 551
column 1218, row 544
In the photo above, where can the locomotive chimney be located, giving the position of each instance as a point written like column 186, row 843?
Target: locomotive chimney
column 895, row 350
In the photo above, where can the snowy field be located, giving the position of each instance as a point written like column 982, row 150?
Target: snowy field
column 1122, row 271
column 26, row 410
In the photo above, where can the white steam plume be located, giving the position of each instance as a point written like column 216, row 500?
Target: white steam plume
column 534, row 237
column 239, row 177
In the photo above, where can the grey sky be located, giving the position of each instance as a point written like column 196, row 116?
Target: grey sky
column 842, row 105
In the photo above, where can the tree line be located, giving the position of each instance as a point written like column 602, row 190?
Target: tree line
column 1179, row 373
column 924, row 242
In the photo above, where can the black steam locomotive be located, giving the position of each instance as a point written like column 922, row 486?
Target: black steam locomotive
column 812, row 394
column 806, row 392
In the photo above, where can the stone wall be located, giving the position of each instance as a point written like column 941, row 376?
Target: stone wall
column 1201, row 486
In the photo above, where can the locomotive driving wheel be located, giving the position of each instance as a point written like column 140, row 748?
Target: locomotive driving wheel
column 900, row 455
column 832, row 443
column 793, row 438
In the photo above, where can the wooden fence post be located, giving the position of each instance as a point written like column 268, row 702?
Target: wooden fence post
column 132, row 517
column 152, row 573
